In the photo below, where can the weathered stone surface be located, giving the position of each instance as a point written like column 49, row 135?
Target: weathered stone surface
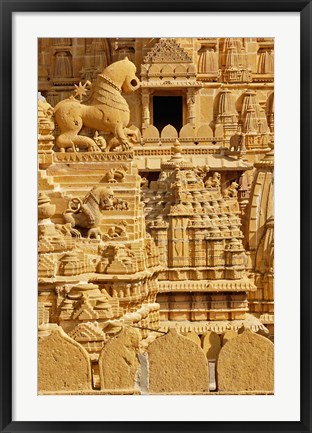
column 228, row 335
column 169, row 131
column 63, row 365
column 116, row 244
column 211, row 344
column 193, row 337
column 245, row 363
column 118, row 362
column 177, row 365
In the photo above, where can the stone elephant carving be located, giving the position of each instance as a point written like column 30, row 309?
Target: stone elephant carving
column 87, row 213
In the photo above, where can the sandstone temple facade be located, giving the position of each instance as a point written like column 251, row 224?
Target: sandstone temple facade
column 155, row 215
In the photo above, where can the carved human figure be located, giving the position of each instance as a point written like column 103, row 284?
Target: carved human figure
column 115, row 232
column 178, row 236
column 100, row 141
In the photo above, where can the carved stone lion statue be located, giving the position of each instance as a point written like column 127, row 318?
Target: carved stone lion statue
column 231, row 191
column 106, row 111
column 213, row 181
column 86, row 213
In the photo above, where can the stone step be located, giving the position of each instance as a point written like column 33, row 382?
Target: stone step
column 81, row 179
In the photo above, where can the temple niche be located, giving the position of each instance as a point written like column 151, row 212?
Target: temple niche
column 155, row 214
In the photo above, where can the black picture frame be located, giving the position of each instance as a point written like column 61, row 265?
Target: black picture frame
column 7, row 9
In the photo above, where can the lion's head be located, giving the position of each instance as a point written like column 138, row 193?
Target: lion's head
column 123, row 74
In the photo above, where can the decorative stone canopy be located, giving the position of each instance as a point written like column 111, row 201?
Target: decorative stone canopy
column 167, row 50
column 166, row 63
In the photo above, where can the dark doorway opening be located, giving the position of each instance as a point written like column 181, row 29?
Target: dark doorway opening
column 168, row 110
column 150, row 175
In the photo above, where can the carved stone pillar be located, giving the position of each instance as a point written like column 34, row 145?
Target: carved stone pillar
column 146, row 115
column 190, row 100
column 178, row 254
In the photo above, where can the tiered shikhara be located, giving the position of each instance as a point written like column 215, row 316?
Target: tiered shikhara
column 197, row 231
column 195, row 246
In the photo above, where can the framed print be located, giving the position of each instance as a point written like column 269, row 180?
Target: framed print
column 155, row 216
